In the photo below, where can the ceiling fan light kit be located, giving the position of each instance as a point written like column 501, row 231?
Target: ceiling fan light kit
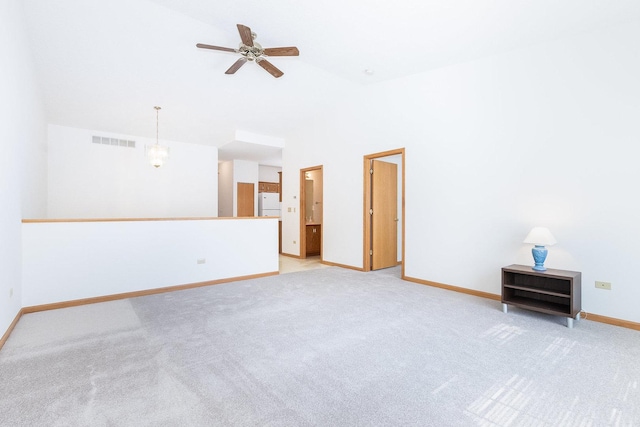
column 250, row 50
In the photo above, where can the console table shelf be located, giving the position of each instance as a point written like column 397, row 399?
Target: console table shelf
column 539, row 291
column 555, row 292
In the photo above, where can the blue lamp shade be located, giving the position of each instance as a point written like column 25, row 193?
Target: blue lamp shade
column 540, row 237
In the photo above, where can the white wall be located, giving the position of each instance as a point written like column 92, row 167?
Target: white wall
column 247, row 172
column 65, row 261
column 268, row 173
column 225, row 189
column 22, row 163
column 539, row 136
column 88, row 180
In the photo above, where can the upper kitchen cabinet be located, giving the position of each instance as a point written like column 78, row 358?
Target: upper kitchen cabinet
column 268, row 187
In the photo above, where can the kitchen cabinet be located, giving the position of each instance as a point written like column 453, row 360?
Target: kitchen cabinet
column 314, row 239
column 268, row 187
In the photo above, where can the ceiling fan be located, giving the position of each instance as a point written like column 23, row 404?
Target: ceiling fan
column 253, row 51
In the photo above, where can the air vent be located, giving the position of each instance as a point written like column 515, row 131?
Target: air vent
column 113, row 141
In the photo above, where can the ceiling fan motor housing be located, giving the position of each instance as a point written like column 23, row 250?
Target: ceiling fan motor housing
column 251, row 52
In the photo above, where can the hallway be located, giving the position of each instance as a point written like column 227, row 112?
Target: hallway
column 290, row 264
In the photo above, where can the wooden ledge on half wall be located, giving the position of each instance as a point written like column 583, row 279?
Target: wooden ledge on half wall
column 204, row 218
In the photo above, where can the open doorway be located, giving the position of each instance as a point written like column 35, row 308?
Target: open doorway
column 384, row 225
column 311, row 189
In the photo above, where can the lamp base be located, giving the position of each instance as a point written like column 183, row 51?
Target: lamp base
column 539, row 253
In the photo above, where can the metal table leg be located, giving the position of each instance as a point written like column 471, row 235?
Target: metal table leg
column 569, row 322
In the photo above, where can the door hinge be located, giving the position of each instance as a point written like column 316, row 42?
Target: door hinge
column 371, row 252
column 371, row 171
column 370, row 211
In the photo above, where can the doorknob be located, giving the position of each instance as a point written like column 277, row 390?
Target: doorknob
column 396, row 220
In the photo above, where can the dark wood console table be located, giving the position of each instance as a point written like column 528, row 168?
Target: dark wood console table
column 552, row 291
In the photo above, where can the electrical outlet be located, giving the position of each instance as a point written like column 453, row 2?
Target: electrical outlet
column 603, row 285
column 11, row 293
column 294, row 242
column 202, row 260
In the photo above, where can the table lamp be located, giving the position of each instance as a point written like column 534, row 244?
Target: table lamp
column 540, row 237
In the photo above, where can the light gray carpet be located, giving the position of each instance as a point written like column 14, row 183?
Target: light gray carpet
column 328, row 347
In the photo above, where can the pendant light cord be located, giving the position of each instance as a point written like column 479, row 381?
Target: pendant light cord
column 157, row 125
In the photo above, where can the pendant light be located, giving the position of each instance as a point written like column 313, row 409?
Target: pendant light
column 156, row 153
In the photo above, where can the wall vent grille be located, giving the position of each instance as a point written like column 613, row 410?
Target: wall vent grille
column 113, row 141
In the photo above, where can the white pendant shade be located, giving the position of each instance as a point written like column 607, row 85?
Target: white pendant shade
column 157, row 155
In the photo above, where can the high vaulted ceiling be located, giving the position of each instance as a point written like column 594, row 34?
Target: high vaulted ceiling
column 103, row 65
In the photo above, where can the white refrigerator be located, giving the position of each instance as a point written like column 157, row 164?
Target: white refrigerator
column 268, row 204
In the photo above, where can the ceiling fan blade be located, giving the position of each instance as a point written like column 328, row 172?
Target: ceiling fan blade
column 282, row 51
column 236, row 66
column 208, row 46
column 245, row 35
column 270, row 68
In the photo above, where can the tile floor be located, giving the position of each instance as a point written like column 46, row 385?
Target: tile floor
column 289, row 264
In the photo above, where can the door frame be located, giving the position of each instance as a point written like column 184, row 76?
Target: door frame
column 366, row 231
column 303, row 211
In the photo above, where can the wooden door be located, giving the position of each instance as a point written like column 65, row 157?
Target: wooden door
column 246, row 199
column 384, row 219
